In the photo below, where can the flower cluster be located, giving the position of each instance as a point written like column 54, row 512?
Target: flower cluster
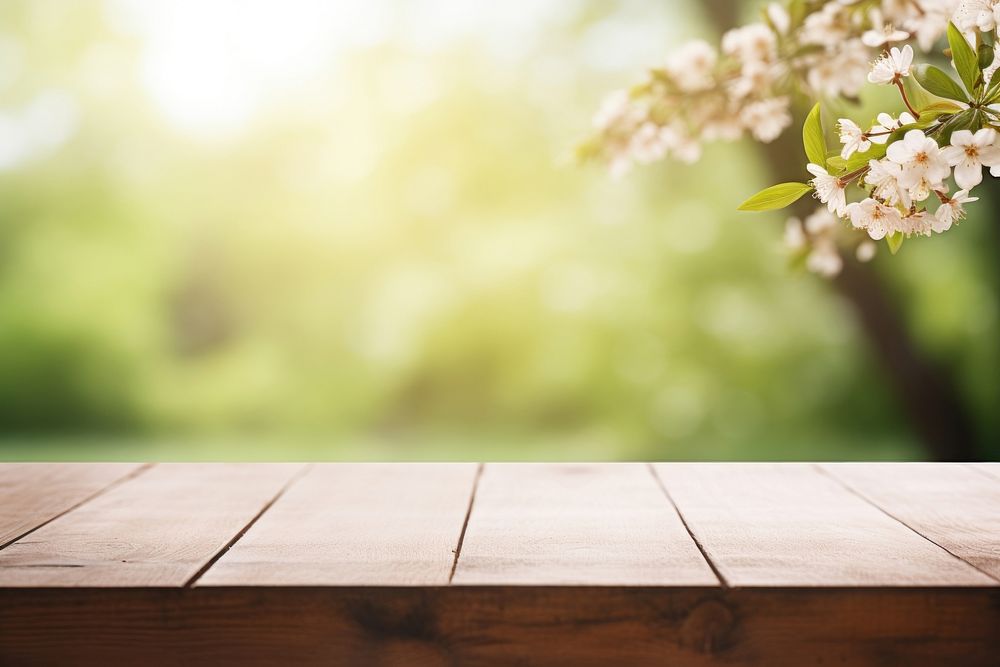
column 701, row 93
column 914, row 166
column 902, row 167
column 890, row 178
column 816, row 241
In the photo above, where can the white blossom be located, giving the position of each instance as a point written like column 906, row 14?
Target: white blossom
column 612, row 107
column 615, row 107
column 824, row 259
column 930, row 24
column 918, row 223
column 853, row 138
column 829, row 189
column 680, row 143
column 874, row 217
column 884, row 175
column 767, row 119
column 778, row 16
column 892, row 66
column 816, row 235
column 951, row 211
column 865, row 252
column 827, row 27
column 755, row 77
column 795, row 237
column 839, row 71
column 820, row 221
column 648, row 144
column 969, row 153
column 691, row 66
column 882, row 33
column 886, row 125
column 723, row 127
column 619, row 164
column 923, row 166
column 751, row 43
column 982, row 15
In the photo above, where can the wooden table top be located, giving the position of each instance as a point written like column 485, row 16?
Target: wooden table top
column 677, row 557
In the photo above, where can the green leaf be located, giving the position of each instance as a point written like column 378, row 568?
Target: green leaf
column 977, row 120
column 839, row 165
column 939, row 109
column 808, row 50
column 796, row 13
column 640, row 90
column 966, row 60
column 894, row 241
column 993, row 92
column 959, row 121
column 986, row 55
column 775, row 197
column 812, row 138
column 590, row 149
column 936, row 82
column 915, row 92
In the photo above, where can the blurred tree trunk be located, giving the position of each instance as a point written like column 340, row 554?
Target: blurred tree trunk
column 926, row 392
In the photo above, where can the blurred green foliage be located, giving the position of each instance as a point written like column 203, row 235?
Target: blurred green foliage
column 397, row 262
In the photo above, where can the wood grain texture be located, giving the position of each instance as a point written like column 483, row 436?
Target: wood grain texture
column 952, row 505
column 519, row 625
column 792, row 525
column 157, row 529
column 991, row 470
column 356, row 524
column 33, row 493
column 584, row 524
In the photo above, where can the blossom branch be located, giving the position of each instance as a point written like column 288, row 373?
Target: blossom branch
column 906, row 100
column 823, row 50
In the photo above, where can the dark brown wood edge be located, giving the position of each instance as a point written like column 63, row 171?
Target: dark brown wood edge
column 473, row 625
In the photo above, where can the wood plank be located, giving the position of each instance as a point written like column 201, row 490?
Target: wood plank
column 511, row 625
column 157, row 529
column 950, row 504
column 792, row 525
column 33, row 493
column 991, row 470
column 599, row 524
column 356, row 524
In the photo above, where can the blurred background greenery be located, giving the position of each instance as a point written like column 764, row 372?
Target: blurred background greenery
column 353, row 230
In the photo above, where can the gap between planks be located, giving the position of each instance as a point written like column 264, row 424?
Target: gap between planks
column 121, row 480
column 465, row 524
column 663, row 487
column 236, row 538
column 850, row 489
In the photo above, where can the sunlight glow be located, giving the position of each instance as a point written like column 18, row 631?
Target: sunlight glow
column 211, row 65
